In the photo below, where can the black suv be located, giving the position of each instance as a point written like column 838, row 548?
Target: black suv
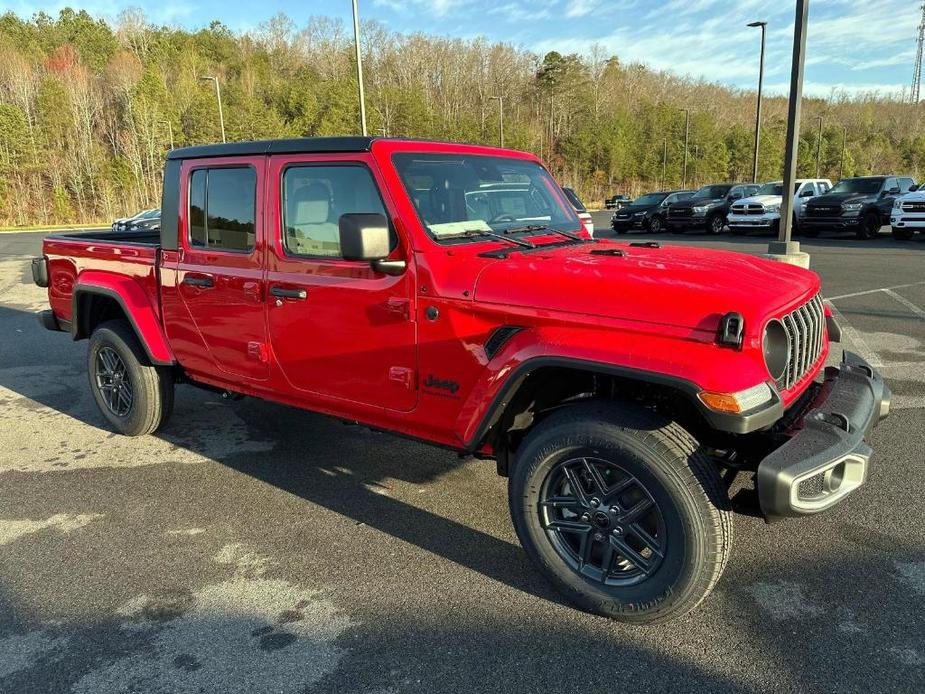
column 708, row 207
column 647, row 212
column 861, row 204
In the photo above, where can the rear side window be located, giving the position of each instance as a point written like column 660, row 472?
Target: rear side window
column 222, row 208
column 315, row 197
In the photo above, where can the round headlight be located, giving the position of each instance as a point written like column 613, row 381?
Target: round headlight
column 776, row 346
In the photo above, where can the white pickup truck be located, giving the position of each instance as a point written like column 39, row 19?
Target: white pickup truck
column 908, row 215
column 762, row 210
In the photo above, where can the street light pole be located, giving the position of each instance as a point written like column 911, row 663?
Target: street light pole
column 500, row 100
column 169, row 130
column 356, row 41
column 844, row 147
column 218, row 97
column 664, row 161
column 687, row 132
column 763, row 26
column 819, row 147
column 784, row 249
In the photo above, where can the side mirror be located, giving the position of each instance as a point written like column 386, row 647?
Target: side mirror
column 893, row 191
column 913, row 188
column 807, row 193
column 365, row 236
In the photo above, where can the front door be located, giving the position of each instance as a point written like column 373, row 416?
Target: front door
column 220, row 268
column 337, row 328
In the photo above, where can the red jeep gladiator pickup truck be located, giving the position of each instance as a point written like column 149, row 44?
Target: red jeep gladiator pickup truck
column 449, row 293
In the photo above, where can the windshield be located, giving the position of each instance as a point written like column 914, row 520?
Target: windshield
column 776, row 189
column 711, row 192
column 650, row 199
column 458, row 193
column 864, row 186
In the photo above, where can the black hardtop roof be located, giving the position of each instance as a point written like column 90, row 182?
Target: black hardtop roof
column 296, row 145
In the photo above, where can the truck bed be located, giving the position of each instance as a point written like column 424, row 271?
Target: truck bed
column 100, row 257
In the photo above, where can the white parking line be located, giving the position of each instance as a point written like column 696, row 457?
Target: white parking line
column 854, row 337
column 905, row 302
column 874, row 291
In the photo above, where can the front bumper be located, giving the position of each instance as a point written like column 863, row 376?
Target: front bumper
column 826, row 457
column 752, row 221
column 840, row 222
column 627, row 223
column 904, row 221
column 685, row 221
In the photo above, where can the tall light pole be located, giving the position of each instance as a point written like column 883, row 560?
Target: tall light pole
column 664, row 161
column 844, row 147
column 687, row 132
column 764, row 26
column 784, row 249
column 218, row 98
column 169, row 130
column 356, row 41
column 819, row 147
column 500, row 100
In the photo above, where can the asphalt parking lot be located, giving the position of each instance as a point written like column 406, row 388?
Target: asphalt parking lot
column 250, row 547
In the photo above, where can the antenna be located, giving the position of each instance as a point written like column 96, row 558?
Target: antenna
column 917, row 71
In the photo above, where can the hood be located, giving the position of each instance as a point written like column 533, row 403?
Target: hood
column 760, row 199
column 830, row 199
column 690, row 202
column 915, row 196
column 628, row 210
column 672, row 285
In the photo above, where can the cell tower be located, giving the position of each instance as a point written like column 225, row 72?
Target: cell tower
column 917, row 72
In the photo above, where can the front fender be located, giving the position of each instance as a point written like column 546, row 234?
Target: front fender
column 688, row 360
column 136, row 305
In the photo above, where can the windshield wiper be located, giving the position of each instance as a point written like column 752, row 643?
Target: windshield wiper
column 545, row 227
column 469, row 233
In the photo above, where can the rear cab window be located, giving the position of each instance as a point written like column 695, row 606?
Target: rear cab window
column 222, row 208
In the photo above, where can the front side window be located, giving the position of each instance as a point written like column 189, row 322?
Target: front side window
column 222, row 208
column 650, row 199
column 460, row 194
column 315, row 197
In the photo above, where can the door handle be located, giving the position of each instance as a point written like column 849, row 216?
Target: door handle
column 285, row 293
column 203, row 281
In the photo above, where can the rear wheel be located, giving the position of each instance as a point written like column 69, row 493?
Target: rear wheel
column 621, row 511
column 134, row 397
column 902, row 233
column 870, row 226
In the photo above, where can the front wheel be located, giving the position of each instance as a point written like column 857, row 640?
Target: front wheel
column 655, row 225
column 622, row 512
column 715, row 224
column 870, row 226
column 134, row 397
column 902, row 233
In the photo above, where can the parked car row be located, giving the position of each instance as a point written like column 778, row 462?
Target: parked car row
column 146, row 220
column 861, row 204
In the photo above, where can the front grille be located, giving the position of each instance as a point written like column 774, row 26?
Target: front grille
column 683, row 212
column 914, row 207
column 805, row 328
column 818, row 211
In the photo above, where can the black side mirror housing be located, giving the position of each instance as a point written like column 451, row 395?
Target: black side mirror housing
column 893, row 191
column 366, row 236
column 913, row 188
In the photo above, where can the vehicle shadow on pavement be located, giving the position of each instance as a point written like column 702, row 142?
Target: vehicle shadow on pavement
column 345, row 469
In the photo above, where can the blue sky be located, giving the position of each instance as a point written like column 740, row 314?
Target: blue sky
column 853, row 46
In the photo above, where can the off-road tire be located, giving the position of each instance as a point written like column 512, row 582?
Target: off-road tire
column 683, row 483
column 152, row 387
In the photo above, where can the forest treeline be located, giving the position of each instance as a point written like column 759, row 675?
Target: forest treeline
column 88, row 109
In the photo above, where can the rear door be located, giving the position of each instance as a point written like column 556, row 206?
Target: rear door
column 338, row 329
column 888, row 193
column 220, row 268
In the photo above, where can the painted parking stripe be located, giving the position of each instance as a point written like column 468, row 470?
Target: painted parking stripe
column 905, row 302
column 874, row 291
